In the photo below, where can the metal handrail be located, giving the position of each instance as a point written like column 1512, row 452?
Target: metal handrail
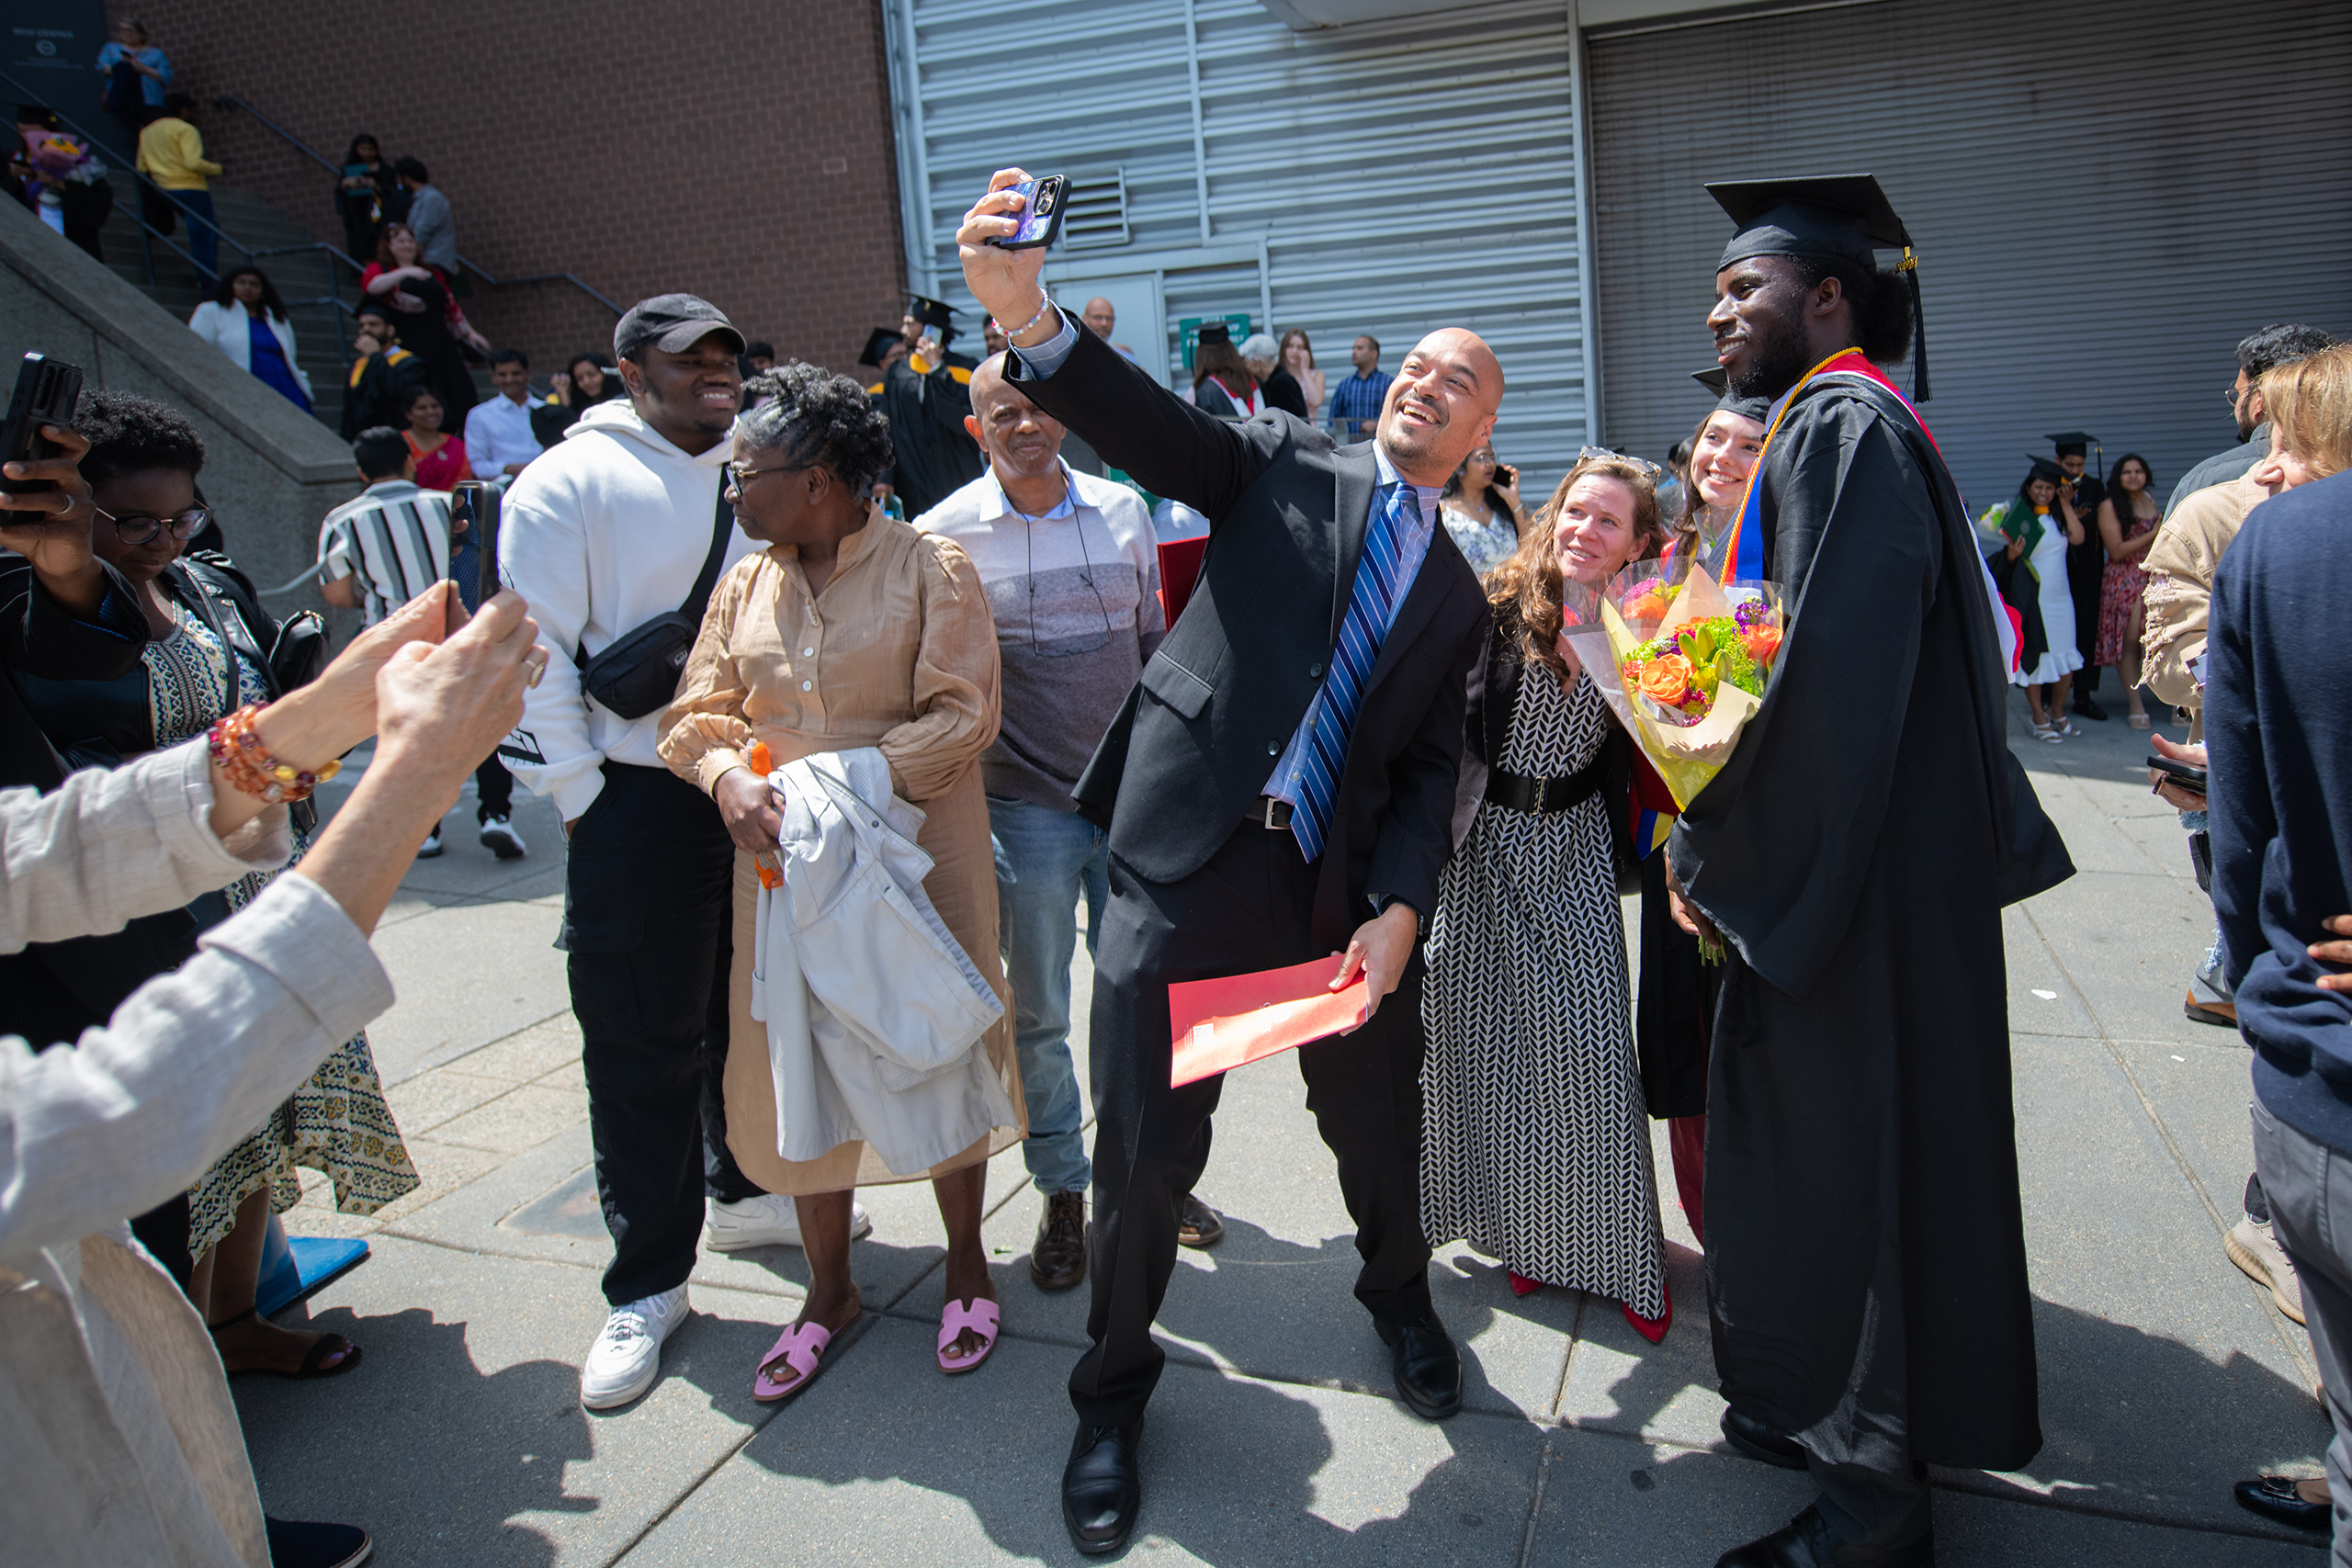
column 231, row 101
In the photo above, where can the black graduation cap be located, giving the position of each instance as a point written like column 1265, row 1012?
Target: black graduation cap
column 1717, row 379
column 1835, row 218
column 878, row 344
column 933, row 313
column 1214, row 332
column 2043, row 468
column 2074, row 443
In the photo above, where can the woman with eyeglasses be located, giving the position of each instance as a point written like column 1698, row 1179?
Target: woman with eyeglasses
column 1480, row 507
column 212, row 651
column 849, row 630
column 1535, row 1148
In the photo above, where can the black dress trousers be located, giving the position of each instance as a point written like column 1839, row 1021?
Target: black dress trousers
column 1250, row 908
column 647, row 912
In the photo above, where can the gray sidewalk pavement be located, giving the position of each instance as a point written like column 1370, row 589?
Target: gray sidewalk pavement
column 1275, row 1437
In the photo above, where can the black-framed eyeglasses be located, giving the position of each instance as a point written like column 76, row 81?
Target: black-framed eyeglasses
column 1649, row 469
column 136, row 529
column 732, row 475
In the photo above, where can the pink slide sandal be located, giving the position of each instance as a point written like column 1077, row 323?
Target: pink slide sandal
column 801, row 1348
column 981, row 1317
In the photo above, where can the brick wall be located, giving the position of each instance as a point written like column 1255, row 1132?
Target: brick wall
column 741, row 153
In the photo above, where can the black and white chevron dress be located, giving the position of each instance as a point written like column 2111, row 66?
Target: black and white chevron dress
column 1536, row 1149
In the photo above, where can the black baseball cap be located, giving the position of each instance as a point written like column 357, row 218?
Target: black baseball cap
column 672, row 323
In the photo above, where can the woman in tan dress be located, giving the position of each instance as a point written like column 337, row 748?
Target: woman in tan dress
column 849, row 630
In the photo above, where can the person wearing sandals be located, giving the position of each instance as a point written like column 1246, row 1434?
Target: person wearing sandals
column 209, row 653
column 1535, row 1146
column 2029, row 560
column 849, row 630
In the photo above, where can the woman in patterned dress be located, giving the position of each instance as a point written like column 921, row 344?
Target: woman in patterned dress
column 1535, row 1144
column 210, row 655
column 1481, row 510
column 2127, row 525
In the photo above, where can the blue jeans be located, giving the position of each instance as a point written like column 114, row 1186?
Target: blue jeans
column 203, row 234
column 1045, row 860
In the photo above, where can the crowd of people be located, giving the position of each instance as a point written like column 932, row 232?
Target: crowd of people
column 901, row 656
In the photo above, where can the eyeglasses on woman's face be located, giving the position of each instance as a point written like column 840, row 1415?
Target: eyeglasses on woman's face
column 737, row 478
column 139, row 528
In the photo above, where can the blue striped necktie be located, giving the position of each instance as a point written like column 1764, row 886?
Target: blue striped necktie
column 1371, row 604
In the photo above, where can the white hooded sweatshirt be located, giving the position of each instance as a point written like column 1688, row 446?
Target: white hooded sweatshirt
column 602, row 534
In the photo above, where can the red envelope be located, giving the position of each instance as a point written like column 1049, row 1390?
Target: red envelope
column 1220, row 1025
column 1180, row 572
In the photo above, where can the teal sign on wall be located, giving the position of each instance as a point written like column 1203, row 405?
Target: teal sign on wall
column 1188, row 330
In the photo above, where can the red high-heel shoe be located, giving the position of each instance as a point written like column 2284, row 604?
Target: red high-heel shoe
column 1521, row 1285
column 1652, row 1328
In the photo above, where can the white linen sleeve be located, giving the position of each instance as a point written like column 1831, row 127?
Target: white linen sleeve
column 136, row 1110
column 109, row 845
column 543, row 556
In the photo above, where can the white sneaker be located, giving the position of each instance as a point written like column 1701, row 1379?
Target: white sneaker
column 765, row 1219
column 499, row 837
column 432, row 845
column 2253, row 1248
column 626, row 1355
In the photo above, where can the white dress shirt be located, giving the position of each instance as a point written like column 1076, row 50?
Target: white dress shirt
column 499, row 433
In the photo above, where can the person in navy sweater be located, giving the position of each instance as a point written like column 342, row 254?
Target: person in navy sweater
column 2278, row 733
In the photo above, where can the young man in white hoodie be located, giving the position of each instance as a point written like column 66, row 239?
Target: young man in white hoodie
column 622, row 521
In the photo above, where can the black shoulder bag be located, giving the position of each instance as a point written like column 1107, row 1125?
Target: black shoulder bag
column 636, row 674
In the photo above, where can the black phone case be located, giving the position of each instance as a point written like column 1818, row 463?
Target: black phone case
column 47, row 392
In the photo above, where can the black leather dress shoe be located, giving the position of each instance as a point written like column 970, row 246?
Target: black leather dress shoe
column 2088, row 705
column 1103, row 1488
column 1058, row 1258
column 1427, row 1367
column 295, row 1544
column 2275, row 1497
column 1762, row 1443
column 1805, row 1542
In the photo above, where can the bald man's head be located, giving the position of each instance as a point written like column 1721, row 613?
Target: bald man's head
column 1019, row 439
column 1442, row 406
column 1099, row 317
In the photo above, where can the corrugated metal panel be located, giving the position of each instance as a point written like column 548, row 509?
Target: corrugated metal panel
column 1460, row 210
column 2097, row 223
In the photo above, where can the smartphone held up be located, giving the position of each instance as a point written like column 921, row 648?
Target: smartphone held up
column 473, row 542
column 1041, row 213
column 47, row 390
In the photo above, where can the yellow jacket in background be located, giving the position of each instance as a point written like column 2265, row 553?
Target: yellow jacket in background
column 170, row 153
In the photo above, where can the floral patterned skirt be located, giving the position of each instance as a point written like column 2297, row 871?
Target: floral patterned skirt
column 2120, row 611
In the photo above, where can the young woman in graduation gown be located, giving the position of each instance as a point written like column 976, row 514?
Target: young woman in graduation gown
column 1535, row 1148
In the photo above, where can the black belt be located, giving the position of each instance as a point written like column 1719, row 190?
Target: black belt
column 1267, row 812
column 1520, row 792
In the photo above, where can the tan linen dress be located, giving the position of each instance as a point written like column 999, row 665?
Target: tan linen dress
column 899, row 653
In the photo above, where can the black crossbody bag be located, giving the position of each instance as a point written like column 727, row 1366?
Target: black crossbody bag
column 637, row 672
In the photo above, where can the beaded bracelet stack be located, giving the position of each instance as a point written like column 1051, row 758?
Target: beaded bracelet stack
column 252, row 771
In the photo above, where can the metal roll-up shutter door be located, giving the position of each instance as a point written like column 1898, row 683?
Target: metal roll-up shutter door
column 1459, row 212
column 2106, row 195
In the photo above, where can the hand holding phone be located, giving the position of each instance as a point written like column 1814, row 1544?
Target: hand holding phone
column 1040, row 219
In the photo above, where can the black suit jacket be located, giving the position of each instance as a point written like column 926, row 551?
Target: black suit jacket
column 1282, row 391
column 1218, row 701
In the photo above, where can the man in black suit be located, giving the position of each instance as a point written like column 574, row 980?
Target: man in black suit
column 1278, row 787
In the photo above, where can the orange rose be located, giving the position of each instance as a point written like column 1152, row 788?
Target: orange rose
column 1763, row 642
column 1650, row 607
column 1667, row 679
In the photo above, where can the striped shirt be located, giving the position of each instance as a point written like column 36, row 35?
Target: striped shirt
column 394, row 538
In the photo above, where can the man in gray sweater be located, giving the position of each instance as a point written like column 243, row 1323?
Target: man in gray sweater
column 1071, row 568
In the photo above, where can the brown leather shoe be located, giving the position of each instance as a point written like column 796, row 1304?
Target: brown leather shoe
column 2224, row 1015
column 1058, row 1258
column 1196, row 1224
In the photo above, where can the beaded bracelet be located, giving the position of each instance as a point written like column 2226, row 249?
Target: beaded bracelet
column 1044, row 308
column 252, row 770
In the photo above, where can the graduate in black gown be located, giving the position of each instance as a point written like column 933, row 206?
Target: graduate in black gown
column 925, row 391
column 1865, row 1251
column 2085, row 562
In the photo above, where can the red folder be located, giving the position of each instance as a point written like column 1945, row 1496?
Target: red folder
column 1179, row 568
column 1221, row 1024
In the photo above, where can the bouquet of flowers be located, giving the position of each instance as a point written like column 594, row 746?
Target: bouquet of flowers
column 1683, row 661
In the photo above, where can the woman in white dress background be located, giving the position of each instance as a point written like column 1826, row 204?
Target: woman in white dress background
column 2035, row 528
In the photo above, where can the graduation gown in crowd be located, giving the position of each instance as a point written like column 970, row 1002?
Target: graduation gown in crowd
column 935, row 455
column 1865, row 1251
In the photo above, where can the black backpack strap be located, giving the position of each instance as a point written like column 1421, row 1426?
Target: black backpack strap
column 722, row 526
